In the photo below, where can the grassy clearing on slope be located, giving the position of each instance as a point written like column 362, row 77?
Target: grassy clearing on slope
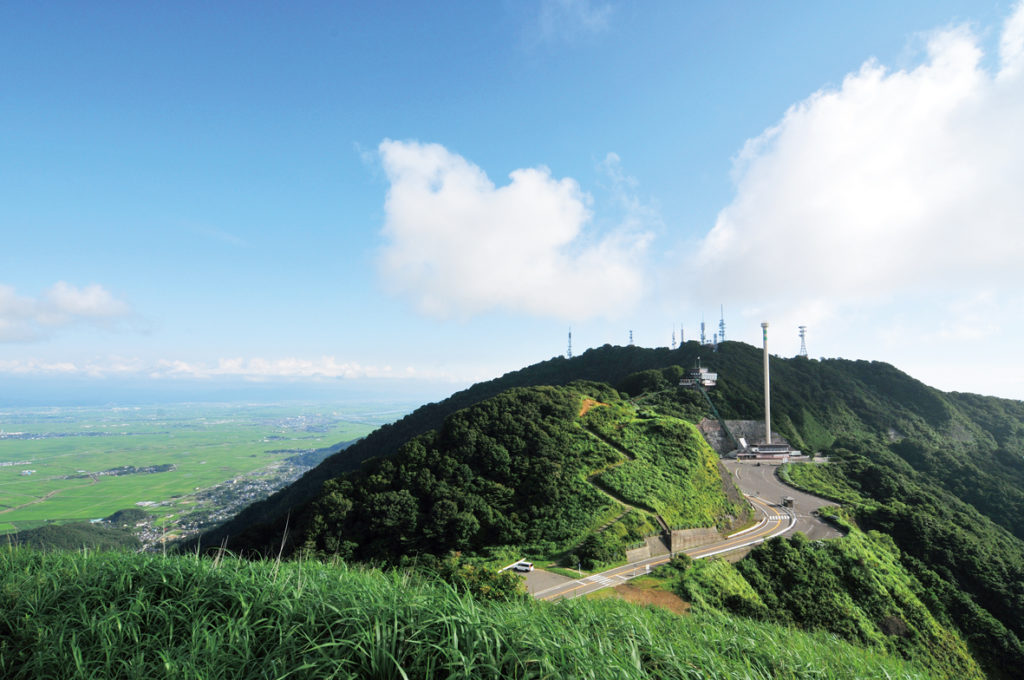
column 674, row 472
column 117, row 615
column 826, row 481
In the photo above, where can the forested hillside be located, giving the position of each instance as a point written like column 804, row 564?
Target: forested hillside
column 974, row 444
column 607, row 364
column 76, row 536
column 544, row 469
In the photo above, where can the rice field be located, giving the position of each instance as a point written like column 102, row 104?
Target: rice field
column 50, row 457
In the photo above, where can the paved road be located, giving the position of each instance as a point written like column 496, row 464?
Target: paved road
column 761, row 481
column 775, row 521
column 762, row 488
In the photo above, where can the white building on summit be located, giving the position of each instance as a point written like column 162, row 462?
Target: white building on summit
column 699, row 376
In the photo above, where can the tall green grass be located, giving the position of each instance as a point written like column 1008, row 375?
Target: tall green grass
column 119, row 615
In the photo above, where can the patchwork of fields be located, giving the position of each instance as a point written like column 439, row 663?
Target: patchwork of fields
column 70, row 464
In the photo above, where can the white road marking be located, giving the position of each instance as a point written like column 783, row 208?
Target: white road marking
column 597, row 578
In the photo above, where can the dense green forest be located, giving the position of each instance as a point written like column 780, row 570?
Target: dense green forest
column 261, row 525
column 856, row 588
column 937, row 478
column 541, row 468
column 75, row 536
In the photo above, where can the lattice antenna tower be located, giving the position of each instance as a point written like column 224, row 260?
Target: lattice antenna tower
column 631, row 338
column 682, row 335
column 568, row 353
column 673, row 338
column 703, row 338
column 803, row 341
column 721, row 326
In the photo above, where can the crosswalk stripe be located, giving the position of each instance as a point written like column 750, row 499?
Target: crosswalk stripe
column 597, row 578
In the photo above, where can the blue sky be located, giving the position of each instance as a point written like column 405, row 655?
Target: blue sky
column 338, row 192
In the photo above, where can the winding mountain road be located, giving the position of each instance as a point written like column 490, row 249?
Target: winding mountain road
column 765, row 492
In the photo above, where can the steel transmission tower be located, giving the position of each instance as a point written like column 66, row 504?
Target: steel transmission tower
column 803, row 341
column 568, row 354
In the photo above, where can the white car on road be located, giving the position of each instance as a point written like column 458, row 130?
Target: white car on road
column 524, row 566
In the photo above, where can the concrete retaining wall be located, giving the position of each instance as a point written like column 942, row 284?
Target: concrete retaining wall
column 657, row 545
column 637, row 554
column 689, row 538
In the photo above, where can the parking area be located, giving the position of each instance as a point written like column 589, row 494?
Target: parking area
column 758, row 478
column 538, row 580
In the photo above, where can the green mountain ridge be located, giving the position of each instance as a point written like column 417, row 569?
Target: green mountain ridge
column 940, row 474
column 814, row 403
column 545, row 469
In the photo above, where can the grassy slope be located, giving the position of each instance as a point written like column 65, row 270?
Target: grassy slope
column 857, row 588
column 671, row 469
column 116, row 615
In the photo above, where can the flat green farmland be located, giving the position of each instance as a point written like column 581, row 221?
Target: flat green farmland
column 75, row 464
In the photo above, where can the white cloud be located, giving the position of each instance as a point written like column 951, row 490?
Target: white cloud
column 459, row 245
column 887, row 214
column 253, row 369
column 36, row 367
column 259, row 368
column 25, row 319
column 64, row 303
column 895, row 179
column 571, row 19
column 895, row 183
column 16, row 314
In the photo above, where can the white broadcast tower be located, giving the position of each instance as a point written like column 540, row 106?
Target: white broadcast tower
column 767, row 390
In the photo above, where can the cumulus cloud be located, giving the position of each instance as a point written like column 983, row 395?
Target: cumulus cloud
column 896, row 179
column 459, row 245
column 25, row 319
column 893, row 200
